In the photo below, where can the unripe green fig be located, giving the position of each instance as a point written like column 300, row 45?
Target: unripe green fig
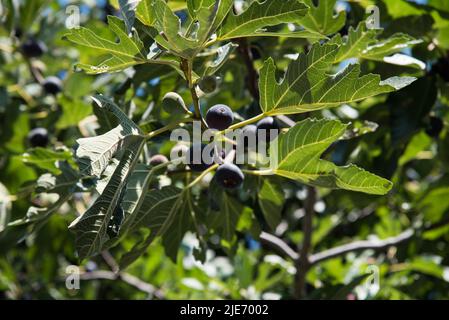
column 173, row 103
column 208, row 84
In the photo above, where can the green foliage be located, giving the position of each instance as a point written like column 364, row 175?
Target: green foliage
column 307, row 85
column 259, row 15
column 299, row 153
column 359, row 162
column 126, row 53
column 321, row 17
column 91, row 228
column 363, row 44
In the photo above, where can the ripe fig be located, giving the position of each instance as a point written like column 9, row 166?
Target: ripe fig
column 33, row 48
column 219, row 117
column 38, row 137
column 229, row 176
column 52, row 85
column 267, row 123
column 158, row 159
column 90, row 266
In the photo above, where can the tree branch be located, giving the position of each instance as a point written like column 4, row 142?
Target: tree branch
column 110, row 261
column 125, row 277
column 360, row 246
column 289, row 122
column 279, row 245
column 303, row 263
column 439, row 224
column 115, row 274
column 187, row 66
column 35, row 73
column 253, row 76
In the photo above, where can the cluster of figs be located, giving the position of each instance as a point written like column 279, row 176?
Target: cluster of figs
column 219, row 117
column 32, row 48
